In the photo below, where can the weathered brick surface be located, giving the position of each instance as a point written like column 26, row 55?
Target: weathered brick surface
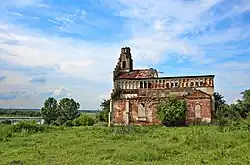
column 120, row 108
column 202, row 99
column 197, row 97
column 144, row 86
column 205, row 109
column 118, row 112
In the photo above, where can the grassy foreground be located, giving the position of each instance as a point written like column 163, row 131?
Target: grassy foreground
column 132, row 145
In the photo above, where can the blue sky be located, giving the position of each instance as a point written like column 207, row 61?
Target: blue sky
column 69, row 48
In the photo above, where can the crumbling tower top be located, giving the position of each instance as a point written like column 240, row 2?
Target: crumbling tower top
column 125, row 60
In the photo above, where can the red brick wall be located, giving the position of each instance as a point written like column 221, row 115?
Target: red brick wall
column 206, row 107
column 119, row 110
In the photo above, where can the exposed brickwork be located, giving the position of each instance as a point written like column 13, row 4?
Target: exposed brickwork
column 118, row 112
column 205, row 109
column 120, row 106
column 192, row 100
column 134, row 88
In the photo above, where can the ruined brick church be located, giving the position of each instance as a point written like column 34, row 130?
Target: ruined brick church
column 136, row 92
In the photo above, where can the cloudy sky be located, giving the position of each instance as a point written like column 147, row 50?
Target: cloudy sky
column 68, row 48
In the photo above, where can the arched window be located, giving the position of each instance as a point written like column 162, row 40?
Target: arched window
column 141, row 110
column 141, row 84
column 149, row 85
column 137, row 85
column 123, row 64
column 197, row 111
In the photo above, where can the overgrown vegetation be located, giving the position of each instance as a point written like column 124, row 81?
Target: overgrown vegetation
column 5, row 121
column 172, row 111
column 238, row 110
column 233, row 116
column 83, row 143
column 83, row 120
column 29, row 127
column 229, row 116
column 127, row 145
column 104, row 113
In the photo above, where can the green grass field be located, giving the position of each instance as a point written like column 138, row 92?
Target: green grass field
column 192, row 145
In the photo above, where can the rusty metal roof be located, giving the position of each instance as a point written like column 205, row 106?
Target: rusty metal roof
column 138, row 73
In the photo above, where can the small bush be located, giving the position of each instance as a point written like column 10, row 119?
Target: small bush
column 5, row 122
column 172, row 111
column 226, row 124
column 28, row 126
column 69, row 123
column 5, row 132
column 8, row 131
column 84, row 120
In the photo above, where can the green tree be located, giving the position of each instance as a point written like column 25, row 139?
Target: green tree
column 49, row 111
column 219, row 100
column 171, row 111
column 68, row 110
column 244, row 104
column 228, row 111
column 219, row 105
column 104, row 113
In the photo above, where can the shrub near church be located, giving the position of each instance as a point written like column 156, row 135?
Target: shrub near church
column 172, row 111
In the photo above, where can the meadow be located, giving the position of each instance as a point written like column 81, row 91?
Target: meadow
column 92, row 145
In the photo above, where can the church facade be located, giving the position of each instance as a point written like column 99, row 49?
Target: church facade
column 136, row 92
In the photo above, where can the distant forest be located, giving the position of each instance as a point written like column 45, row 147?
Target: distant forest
column 30, row 112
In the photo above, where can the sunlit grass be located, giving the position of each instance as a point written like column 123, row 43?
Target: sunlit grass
column 128, row 145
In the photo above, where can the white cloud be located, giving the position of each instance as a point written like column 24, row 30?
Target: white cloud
column 159, row 24
column 107, row 96
column 60, row 92
column 12, row 79
column 156, row 28
column 15, row 14
column 75, row 57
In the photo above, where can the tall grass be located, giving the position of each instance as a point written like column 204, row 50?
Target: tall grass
column 31, row 144
column 29, row 127
column 226, row 124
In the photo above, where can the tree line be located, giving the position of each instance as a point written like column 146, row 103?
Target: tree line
column 171, row 111
column 235, row 111
column 30, row 113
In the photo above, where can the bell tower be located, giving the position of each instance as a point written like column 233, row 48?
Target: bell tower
column 125, row 60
